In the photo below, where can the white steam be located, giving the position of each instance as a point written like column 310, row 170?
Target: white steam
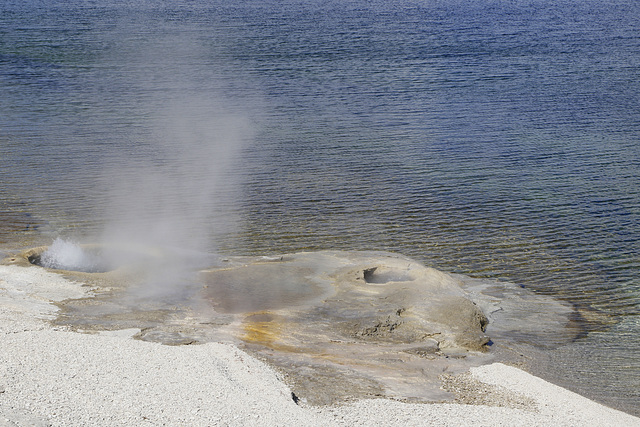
column 182, row 194
column 174, row 189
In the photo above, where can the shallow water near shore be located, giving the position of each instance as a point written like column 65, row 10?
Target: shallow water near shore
column 498, row 142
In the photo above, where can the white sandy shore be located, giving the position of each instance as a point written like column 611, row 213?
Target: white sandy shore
column 56, row 377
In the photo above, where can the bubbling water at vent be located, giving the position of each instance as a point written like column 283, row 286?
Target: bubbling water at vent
column 66, row 255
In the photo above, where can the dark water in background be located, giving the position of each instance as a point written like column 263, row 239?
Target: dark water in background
column 497, row 139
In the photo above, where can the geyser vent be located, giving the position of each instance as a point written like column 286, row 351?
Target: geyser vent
column 64, row 255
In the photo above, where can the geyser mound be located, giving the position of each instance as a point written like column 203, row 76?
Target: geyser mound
column 356, row 296
column 352, row 316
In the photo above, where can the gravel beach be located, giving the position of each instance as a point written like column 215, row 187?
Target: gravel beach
column 52, row 376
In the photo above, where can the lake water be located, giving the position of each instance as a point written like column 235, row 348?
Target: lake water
column 496, row 139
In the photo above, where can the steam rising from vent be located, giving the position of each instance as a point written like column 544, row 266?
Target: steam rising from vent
column 174, row 188
column 177, row 195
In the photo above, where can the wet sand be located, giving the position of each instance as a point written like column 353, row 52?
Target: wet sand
column 51, row 375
